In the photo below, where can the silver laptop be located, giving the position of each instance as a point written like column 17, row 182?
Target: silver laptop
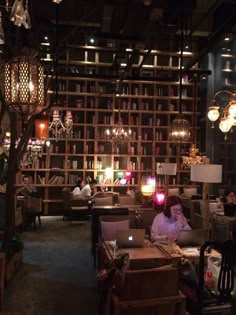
column 195, row 237
column 130, row 238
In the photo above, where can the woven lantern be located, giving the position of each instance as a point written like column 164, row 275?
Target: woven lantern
column 24, row 85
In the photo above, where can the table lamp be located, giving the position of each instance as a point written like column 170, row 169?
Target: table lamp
column 206, row 173
column 166, row 169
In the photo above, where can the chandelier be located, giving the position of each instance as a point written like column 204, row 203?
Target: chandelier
column 193, row 158
column 57, row 128
column 227, row 114
column 119, row 134
column 33, row 150
column 19, row 14
column 180, row 128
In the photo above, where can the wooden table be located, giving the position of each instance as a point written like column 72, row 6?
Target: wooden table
column 140, row 258
column 228, row 222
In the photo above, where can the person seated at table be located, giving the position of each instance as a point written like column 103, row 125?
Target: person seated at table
column 229, row 202
column 27, row 190
column 170, row 221
column 79, row 185
column 86, row 193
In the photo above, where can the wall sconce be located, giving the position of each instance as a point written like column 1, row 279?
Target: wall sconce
column 227, row 114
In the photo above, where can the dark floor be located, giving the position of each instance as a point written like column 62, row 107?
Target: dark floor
column 57, row 276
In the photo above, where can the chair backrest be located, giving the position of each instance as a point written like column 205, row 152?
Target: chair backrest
column 146, row 284
column 66, row 195
column 225, row 283
column 109, row 224
column 103, row 201
column 33, row 204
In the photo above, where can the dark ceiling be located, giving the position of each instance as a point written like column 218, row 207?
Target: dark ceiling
column 150, row 22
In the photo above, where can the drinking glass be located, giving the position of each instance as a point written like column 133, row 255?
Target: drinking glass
column 171, row 236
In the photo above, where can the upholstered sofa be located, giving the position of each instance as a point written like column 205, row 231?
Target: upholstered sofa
column 197, row 212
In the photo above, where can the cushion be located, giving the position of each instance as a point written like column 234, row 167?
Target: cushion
column 173, row 192
column 126, row 200
column 214, row 207
column 104, row 201
column 108, row 229
column 188, row 192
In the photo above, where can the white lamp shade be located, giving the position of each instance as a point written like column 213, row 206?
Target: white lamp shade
column 206, row 173
column 166, row 168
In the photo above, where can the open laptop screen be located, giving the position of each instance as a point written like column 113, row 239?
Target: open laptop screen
column 130, row 238
column 195, row 237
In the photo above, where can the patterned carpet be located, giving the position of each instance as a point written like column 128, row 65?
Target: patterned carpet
column 57, row 276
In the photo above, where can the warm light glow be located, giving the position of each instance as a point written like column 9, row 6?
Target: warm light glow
column 41, row 128
column 118, row 134
column 232, row 109
column 193, row 158
column 24, row 85
column 226, row 123
column 228, row 113
column 180, row 129
column 147, row 190
column 213, row 114
column 109, row 173
column 59, row 129
column 159, row 198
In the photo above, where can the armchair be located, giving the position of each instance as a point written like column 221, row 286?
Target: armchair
column 72, row 205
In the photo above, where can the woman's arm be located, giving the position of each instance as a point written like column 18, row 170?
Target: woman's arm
column 155, row 231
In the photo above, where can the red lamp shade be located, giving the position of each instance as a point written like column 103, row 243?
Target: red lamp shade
column 41, row 128
column 159, row 198
column 128, row 175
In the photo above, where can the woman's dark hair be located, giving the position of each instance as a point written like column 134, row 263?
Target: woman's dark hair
column 226, row 193
column 171, row 201
column 78, row 182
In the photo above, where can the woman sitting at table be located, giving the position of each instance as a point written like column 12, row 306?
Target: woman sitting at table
column 170, row 221
column 229, row 202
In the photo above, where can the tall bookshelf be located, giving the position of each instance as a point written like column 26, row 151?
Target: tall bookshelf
column 87, row 84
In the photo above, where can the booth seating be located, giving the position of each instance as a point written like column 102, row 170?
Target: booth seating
column 143, row 292
column 197, row 211
column 74, row 207
column 109, row 224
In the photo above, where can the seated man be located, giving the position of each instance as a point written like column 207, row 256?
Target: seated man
column 27, row 190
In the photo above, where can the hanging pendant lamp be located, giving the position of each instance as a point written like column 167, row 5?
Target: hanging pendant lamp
column 180, row 128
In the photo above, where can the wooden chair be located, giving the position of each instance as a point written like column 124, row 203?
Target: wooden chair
column 32, row 210
column 222, row 303
column 151, row 291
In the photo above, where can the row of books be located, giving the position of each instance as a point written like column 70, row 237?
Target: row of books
column 56, row 179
